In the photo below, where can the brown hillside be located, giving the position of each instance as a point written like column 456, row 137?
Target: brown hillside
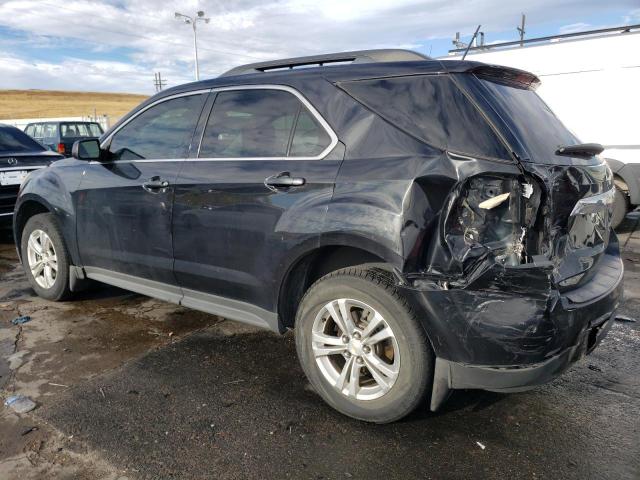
column 16, row 104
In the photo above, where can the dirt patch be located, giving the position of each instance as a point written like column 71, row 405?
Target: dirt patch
column 50, row 104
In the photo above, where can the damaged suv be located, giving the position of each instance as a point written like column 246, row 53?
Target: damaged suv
column 422, row 225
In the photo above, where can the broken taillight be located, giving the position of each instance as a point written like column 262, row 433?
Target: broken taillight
column 490, row 219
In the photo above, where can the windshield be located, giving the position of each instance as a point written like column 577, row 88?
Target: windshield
column 13, row 140
column 530, row 120
column 75, row 130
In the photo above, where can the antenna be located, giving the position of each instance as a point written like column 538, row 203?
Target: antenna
column 521, row 29
column 472, row 40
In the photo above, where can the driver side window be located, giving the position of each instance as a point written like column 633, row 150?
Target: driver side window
column 163, row 131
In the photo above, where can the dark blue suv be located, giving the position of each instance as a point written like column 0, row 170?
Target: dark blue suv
column 422, row 225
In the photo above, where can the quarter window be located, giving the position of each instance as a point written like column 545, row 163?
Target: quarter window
column 163, row 131
column 431, row 108
column 261, row 123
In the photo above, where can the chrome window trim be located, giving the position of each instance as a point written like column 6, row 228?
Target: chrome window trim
column 286, row 88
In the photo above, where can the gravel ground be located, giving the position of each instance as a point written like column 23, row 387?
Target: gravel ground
column 129, row 387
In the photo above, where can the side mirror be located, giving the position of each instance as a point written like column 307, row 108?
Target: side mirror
column 86, row 150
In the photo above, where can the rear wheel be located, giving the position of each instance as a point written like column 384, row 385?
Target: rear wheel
column 45, row 257
column 361, row 347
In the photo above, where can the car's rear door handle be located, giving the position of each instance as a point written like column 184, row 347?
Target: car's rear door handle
column 155, row 183
column 284, row 180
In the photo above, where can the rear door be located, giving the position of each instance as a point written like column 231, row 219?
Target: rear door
column 124, row 203
column 256, row 192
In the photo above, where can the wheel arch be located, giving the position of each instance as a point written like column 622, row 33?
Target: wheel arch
column 311, row 266
column 28, row 208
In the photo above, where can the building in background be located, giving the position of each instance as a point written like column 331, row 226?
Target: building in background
column 591, row 81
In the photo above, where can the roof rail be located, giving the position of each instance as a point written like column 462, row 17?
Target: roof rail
column 358, row 56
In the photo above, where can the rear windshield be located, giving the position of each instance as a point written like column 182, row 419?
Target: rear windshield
column 75, row 130
column 13, row 140
column 530, row 120
column 431, row 108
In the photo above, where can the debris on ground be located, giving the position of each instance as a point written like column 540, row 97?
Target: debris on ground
column 481, row 445
column 21, row 320
column 20, row 403
column 595, row 368
column 624, row 318
column 29, row 430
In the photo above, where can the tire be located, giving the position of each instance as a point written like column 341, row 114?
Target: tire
column 58, row 289
column 620, row 208
column 370, row 291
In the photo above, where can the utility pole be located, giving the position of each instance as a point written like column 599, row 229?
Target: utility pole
column 193, row 22
column 158, row 82
column 521, row 30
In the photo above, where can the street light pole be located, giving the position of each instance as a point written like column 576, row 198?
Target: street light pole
column 193, row 22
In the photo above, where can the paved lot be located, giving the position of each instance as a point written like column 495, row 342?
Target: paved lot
column 129, row 387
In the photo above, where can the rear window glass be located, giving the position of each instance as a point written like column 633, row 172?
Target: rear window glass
column 13, row 140
column 431, row 108
column 530, row 120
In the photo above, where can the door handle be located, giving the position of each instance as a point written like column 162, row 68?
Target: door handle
column 154, row 183
column 284, row 180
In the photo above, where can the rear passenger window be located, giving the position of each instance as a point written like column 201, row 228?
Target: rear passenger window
column 163, row 131
column 261, row 124
column 431, row 108
column 309, row 139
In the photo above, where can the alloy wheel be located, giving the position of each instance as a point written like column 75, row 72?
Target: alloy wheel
column 355, row 349
column 42, row 258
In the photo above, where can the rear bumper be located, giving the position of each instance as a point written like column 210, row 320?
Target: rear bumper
column 508, row 342
column 518, row 379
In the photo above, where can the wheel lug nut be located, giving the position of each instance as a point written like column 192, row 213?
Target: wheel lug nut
column 345, row 339
column 359, row 360
column 356, row 335
column 366, row 349
column 347, row 354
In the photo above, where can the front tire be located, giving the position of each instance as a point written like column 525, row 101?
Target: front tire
column 361, row 346
column 45, row 257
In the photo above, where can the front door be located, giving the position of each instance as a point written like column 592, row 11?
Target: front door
column 124, row 203
column 255, row 194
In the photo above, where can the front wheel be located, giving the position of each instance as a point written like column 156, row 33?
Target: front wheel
column 45, row 257
column 361, row 346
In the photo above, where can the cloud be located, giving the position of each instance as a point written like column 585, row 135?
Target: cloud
column 240, row 31
column 575, row 27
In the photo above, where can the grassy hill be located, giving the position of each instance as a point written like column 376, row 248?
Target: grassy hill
column 48, row 103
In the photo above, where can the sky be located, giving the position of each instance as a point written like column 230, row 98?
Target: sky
column 117, row 45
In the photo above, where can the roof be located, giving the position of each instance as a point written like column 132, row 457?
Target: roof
column 356, row 56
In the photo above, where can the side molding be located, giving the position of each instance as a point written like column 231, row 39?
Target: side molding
column 224, row 307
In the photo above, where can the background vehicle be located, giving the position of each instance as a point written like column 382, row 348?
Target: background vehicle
column 60, row 136
column 19, row 155
column 590, row 81
column 418, row 232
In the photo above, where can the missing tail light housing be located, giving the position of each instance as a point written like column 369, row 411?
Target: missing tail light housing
column 490, row 218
